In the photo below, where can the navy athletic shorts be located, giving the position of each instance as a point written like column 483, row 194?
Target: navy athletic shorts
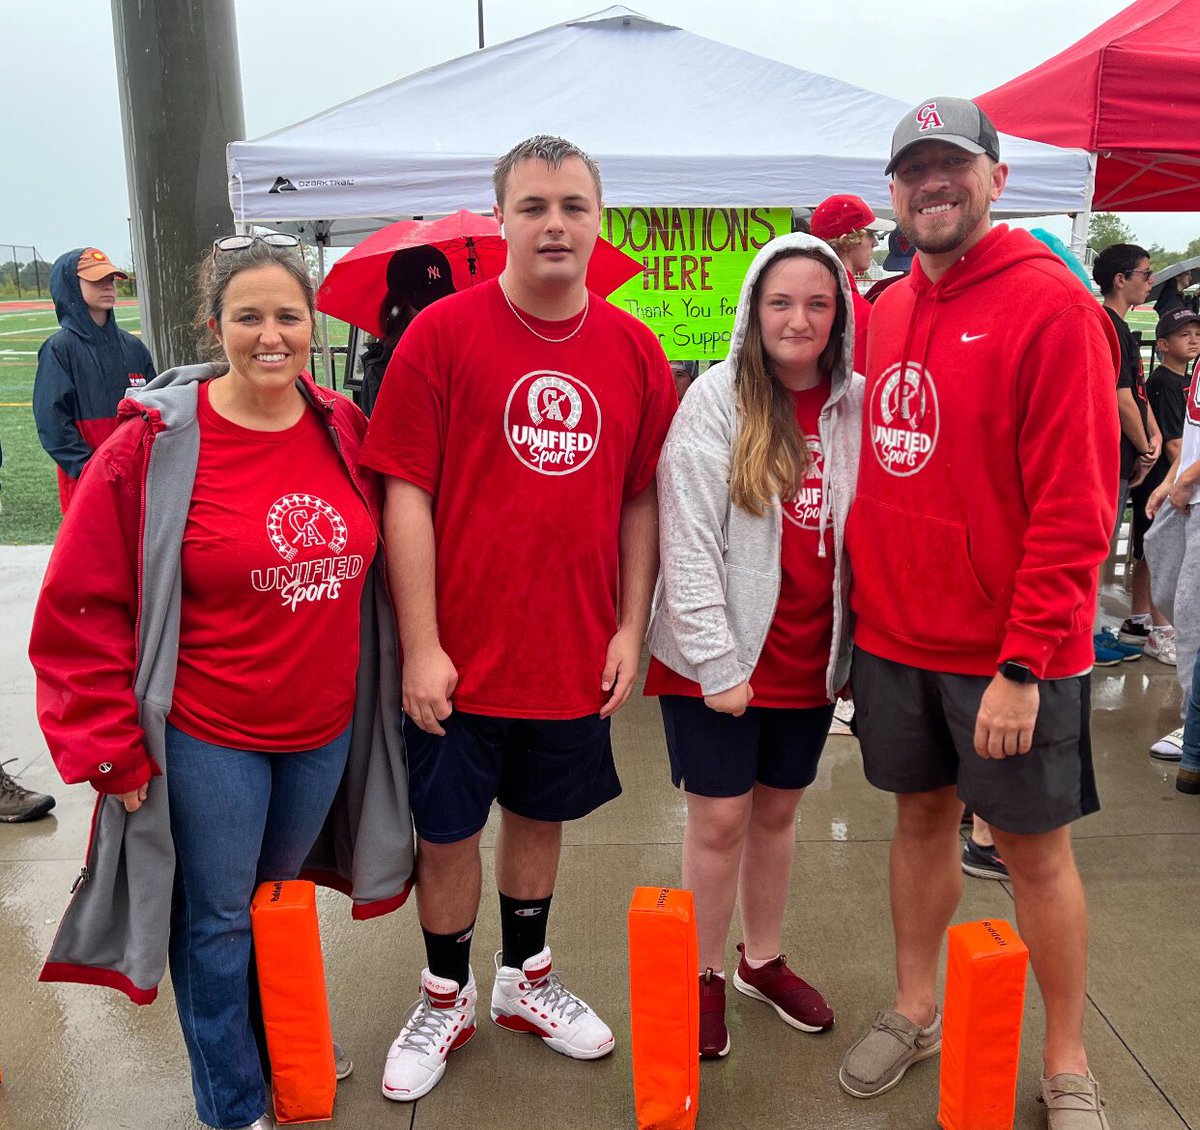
column 917, row 733
column 718, row 755
column 542, row 769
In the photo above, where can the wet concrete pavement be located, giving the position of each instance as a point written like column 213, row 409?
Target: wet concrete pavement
column 86, row 1059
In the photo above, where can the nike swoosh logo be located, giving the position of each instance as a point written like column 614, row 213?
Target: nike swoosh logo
column 972, row 337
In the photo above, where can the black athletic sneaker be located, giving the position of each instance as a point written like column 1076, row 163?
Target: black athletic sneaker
column 17, row 804
column 982, row 862
column 1134, row 631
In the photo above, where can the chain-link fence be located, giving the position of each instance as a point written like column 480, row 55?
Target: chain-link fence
column 25, row 274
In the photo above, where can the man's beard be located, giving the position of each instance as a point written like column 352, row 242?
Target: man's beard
column 942, row 241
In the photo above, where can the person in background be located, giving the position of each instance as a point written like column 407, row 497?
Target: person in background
column 416, row 277
column 849, row 226
column 1172, row 296
column 17, row 804
column 1123, row 274
column 1173, row 552
column 750, row 640
column 980, row 858
column 1177, row 343
column 211, row 619
column 84, row 370
column 899, row 261
column 684, row 373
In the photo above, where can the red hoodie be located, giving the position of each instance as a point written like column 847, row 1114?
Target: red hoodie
column 988, row 482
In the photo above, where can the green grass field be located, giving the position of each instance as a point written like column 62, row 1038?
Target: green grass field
column 30, row 490
column 30, row 514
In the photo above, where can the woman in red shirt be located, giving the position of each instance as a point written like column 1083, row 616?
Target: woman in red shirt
column 748, row 637
column 222, row 635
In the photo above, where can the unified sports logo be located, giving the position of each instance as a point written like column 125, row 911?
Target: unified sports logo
column 904, row 419
column 1193, row 402
column 305, row 522
column 552, row 422
column 805, row 509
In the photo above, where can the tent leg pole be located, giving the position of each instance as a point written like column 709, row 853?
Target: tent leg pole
column 326, row 355
column 1083, row 218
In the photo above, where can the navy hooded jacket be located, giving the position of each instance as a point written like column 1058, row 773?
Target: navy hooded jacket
column 82, row 374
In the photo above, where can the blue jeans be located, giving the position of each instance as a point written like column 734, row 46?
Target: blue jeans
column 1191, row 723
column 238, row 818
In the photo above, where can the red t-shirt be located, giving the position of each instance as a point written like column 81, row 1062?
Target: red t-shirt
column 862, row 315
column 529, row 448
column 791, row 668
column 275, row 554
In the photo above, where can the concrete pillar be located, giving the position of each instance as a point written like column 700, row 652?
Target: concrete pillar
column 181, row 104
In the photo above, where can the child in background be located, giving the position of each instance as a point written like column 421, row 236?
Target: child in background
column 1178, row 343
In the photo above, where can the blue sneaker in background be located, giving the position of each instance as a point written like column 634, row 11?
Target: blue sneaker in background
column 1107, row 641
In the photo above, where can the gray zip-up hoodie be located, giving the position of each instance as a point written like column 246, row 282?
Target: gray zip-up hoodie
column 720, row 572
column 115, row 930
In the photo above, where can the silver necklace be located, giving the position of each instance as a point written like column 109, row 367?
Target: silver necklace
column 587, row 299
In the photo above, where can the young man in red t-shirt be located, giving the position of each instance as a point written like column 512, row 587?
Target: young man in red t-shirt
column 519, row 425
column 965, row 491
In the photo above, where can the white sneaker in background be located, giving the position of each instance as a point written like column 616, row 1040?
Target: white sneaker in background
column 1169, row 747
column 1161, row 645
column 843, row 712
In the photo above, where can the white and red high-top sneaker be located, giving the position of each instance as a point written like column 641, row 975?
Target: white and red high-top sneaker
column 533, row 999
column 442, row 1019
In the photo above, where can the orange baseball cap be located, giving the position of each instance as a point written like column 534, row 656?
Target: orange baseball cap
column 94, row 265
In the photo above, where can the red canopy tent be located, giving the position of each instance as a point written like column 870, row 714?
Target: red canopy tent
column 1128, row 93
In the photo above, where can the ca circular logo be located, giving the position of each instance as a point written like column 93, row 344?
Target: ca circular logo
column 305, row 522
column 805, row 509
column 552, row 422
column 904, row 419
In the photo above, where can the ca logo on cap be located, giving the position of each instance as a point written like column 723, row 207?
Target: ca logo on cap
column 928, row 117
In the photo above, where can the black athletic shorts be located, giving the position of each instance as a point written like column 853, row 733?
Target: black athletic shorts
column 718, row 755
column 542, row 769
column 917, row 733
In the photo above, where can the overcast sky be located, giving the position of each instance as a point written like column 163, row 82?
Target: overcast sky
column 64, row 183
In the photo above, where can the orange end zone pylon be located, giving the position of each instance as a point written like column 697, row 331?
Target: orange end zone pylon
column 664, row 1008
column 291, row 982
column 981, row 1032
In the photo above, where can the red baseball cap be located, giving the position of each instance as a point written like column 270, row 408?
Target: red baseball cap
column 94, row 265
column 840, row 215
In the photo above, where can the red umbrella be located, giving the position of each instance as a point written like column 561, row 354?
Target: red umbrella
column 355, row 288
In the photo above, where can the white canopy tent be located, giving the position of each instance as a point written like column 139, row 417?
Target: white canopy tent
column 674, row 119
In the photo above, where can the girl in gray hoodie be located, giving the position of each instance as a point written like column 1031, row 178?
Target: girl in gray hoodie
column 749, row 638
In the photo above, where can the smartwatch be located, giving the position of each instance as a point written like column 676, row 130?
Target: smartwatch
column 1016, row 672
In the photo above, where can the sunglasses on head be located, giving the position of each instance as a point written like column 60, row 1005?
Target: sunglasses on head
column 241, row 242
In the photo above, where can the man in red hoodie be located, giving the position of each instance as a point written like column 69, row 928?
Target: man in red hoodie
column 988, row 477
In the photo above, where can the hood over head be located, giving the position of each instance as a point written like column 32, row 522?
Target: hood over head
column 69, row 306
column 844, row 367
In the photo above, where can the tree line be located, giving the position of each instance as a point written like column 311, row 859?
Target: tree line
column 1106, row 229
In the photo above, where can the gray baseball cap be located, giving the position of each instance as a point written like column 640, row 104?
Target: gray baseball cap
column 957, row 121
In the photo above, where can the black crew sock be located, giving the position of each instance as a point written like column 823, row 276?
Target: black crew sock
column 449, row 955
column 522, row 927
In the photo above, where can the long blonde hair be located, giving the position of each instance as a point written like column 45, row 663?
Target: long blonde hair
column 770, row 458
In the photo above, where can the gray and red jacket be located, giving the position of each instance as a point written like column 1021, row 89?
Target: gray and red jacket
column 105, row 645
column 82, row 374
